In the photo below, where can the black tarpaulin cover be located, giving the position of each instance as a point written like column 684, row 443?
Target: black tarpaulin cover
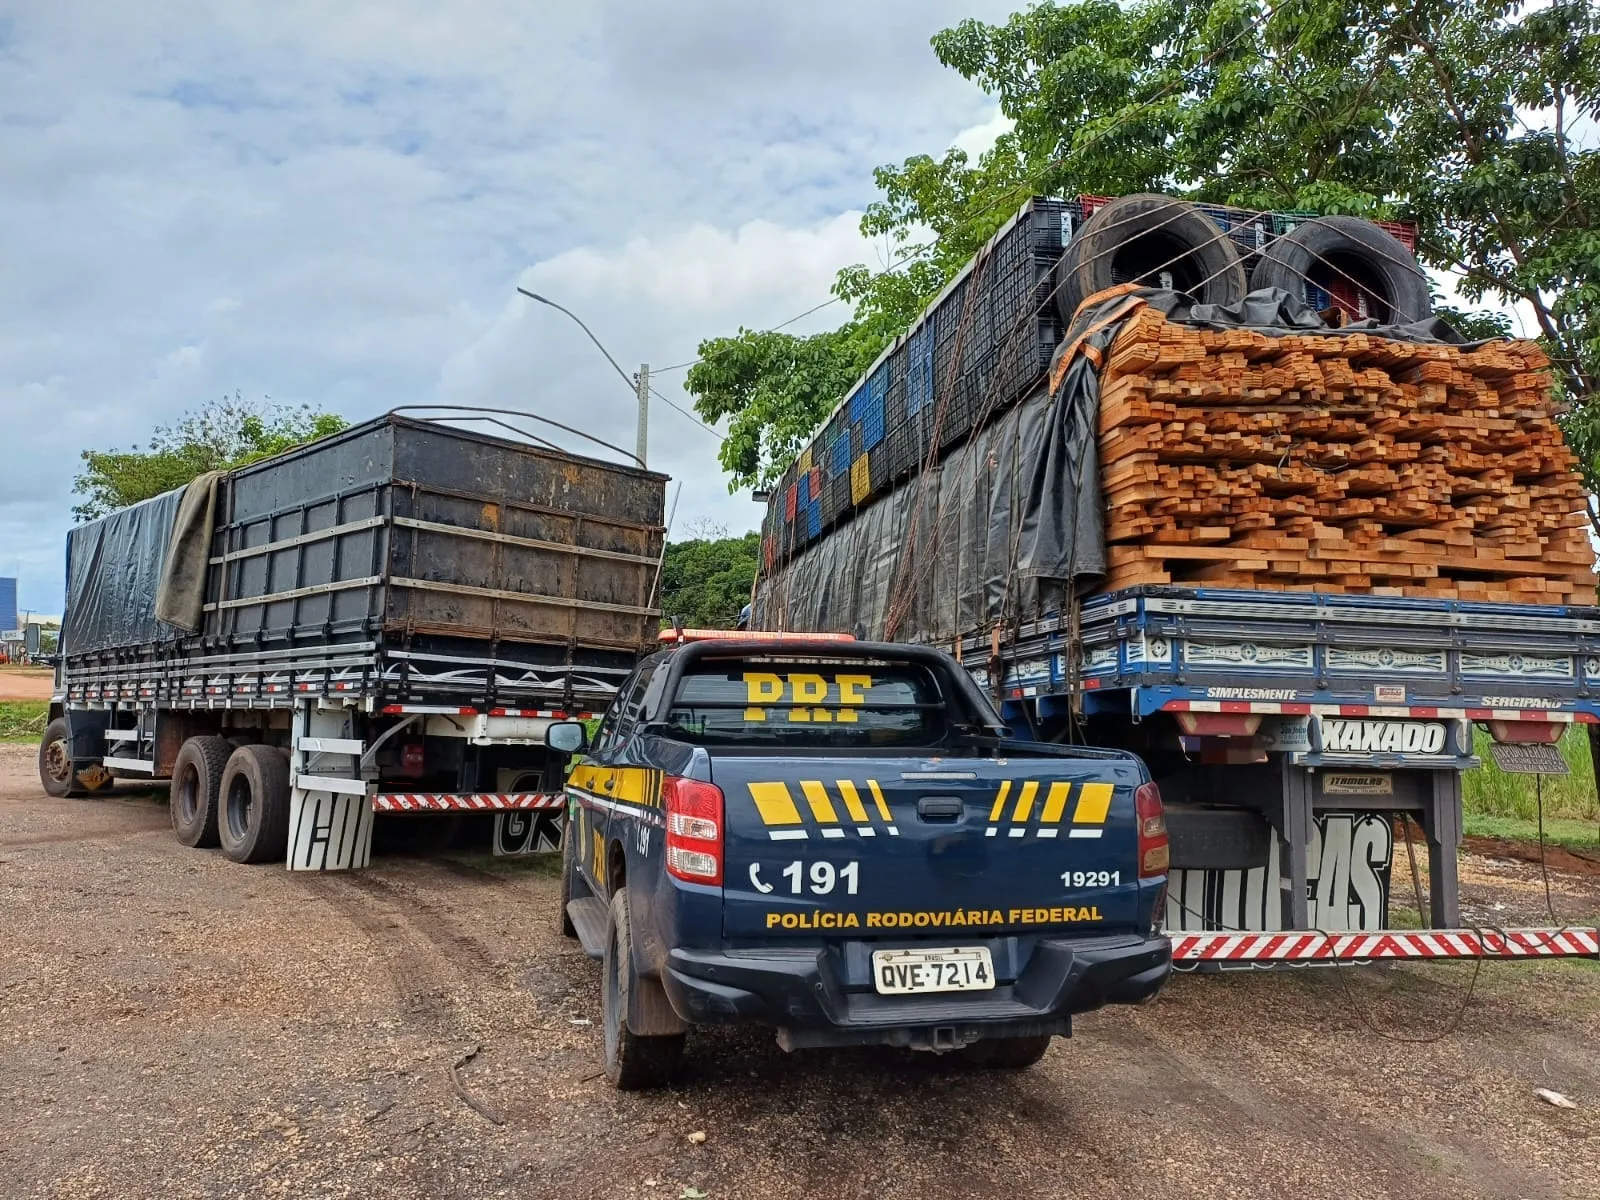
column 113, row 574
column 1009, row 523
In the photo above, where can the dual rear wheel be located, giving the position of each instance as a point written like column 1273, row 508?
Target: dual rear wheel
column 233, row 797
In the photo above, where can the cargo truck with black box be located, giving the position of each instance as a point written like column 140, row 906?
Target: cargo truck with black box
column 1262, row 520
column 408, row 617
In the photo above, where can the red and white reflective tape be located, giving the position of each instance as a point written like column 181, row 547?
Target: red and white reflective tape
column 442, row 710
column 1419, row 711
column 464, row 802
column 1572, row 942
column 552, row 713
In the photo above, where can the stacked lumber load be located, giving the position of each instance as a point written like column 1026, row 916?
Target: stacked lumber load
column 1341, row 463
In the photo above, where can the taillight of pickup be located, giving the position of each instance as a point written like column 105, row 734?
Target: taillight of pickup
column 841, row 841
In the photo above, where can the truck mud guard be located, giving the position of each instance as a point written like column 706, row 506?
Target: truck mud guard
column 330, row 815
column 1195, row 951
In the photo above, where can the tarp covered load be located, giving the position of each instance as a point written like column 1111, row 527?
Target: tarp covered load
column 1011, row 522
column 114, row 569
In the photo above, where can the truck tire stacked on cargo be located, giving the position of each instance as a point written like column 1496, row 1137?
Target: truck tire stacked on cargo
column 1341, row 464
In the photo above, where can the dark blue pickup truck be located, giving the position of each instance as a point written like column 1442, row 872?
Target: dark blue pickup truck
column 839, row 840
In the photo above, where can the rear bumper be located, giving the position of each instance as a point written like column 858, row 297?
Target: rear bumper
column 822, row 995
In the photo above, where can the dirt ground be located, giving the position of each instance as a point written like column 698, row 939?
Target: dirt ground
column 174, row 1025
column 26, row 683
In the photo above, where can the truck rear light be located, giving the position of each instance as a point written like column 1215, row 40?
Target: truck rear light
column 1154, row 854
column 1526, row 731
column 413, row 764
column 694, row 829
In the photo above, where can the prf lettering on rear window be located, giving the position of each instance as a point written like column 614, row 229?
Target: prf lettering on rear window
column 815, row 697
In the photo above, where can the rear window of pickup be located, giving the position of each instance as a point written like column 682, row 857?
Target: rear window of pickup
column 788, row 703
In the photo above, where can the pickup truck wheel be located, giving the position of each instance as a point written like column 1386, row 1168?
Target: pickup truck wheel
column 253, row 805
column 569, row 865
column 1007, row 1054
column 196, row 779
column 633, row 1063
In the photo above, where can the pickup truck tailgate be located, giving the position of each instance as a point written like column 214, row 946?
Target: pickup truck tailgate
column 917, row 847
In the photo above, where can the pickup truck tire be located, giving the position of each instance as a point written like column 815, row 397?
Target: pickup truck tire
column 633, row 1063
column 253, row 805
column 1007, row 1054
column 196, row 780
column 569, row 867
column 1135, row 237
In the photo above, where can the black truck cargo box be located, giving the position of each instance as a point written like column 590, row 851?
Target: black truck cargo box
column 400, row 559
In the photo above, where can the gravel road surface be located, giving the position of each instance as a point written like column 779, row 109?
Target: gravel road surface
column 26, row 683
column 173, row 1025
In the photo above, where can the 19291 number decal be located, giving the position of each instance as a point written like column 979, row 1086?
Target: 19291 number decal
column 1084, row 879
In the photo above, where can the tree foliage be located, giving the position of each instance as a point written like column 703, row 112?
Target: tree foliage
column 706, row 580
column 1474, row 118
column 225, row 433
column 774, row 389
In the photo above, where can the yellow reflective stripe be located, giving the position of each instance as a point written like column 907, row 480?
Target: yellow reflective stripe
column 1024, row 808
column 774, row 804
column 877, row 799
column 821, row 805
column 1000, row 801
column 852, row 801
column 1094, row 802
column 1055, row 803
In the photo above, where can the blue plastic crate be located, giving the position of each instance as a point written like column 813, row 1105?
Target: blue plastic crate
column 919, row 369
column 871, row 418
column 839, row 454
column 814, row 521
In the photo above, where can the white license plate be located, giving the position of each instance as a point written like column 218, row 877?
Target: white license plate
column 899, row 972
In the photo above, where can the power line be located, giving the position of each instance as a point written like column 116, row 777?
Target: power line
column 789, row 322
column 687, row 413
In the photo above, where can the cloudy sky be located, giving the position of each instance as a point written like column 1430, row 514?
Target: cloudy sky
column 334, row 204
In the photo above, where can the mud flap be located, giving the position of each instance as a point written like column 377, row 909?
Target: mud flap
column 330, row 816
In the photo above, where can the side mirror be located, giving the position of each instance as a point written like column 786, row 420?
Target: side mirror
column 567, row 737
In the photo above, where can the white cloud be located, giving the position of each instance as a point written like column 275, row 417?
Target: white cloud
column 332, row 204
column 654, row 299
column 979, row 139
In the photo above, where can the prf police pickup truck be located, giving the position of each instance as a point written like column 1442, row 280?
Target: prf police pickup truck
column 839, row 840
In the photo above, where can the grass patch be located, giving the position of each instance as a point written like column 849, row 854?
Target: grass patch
column 1490, row 792
column 1558, row 831
column 22, row 720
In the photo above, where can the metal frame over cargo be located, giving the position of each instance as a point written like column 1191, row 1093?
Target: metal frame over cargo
column 403, row 609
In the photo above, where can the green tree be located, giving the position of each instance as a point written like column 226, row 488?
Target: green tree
column 226, row 433
column 1467, row 116
column 706, row 579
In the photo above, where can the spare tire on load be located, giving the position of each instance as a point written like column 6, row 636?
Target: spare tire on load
column 1351, row 265
column 1155, row 240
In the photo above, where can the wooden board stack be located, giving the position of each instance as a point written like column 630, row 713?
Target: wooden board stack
column 1337, row 464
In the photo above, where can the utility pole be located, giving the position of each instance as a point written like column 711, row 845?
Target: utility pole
column 641, row 383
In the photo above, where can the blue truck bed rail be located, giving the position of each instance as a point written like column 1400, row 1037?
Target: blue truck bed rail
column 1148, row 649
